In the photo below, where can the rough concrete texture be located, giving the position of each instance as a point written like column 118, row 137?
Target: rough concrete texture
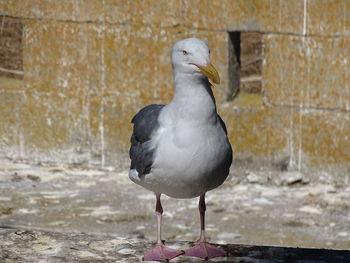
column 90, row 65
column 74, row 247
column 250, row 208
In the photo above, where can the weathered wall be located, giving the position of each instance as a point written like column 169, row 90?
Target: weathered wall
column 90, row 65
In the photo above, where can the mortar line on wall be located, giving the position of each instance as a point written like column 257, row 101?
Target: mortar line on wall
column 347, row 102
column 305, row 29
column 305, row 18
column 6, row 91
column 344, row 17
column 87, row 101
column 268, row 103
column 88, row 124
column 265, row 102
column 291, row 123
column 300, row 152
column 103, row 82
column 302, row 107
column 238, row 28
column 102, row 133
column 280, row 15
column 21, row 138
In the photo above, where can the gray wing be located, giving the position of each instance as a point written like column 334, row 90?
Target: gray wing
column 222, row 123
column 145, row 124
column 228, row 160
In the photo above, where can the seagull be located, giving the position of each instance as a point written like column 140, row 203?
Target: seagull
column 181, row 149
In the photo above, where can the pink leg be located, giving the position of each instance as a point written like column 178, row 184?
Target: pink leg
column 203, row 249
column 160, row 252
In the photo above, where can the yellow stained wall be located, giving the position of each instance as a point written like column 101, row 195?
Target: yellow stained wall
column 90, row 65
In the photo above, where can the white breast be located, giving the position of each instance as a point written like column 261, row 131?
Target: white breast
column 188, row 160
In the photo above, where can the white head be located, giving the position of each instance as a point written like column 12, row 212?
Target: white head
column 192, row 56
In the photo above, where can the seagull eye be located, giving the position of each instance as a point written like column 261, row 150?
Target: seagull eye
column 184, row 52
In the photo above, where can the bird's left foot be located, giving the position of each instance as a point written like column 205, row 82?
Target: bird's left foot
column 162, row 253
column 205, row 251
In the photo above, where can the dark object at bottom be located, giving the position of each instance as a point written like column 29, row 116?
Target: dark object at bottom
column 267, row 254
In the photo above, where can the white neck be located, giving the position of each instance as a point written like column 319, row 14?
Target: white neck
column 193, row 98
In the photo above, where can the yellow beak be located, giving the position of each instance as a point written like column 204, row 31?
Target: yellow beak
column 211, row 72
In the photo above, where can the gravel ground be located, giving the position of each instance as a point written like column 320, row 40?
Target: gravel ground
column 247, row 209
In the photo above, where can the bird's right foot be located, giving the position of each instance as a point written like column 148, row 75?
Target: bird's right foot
column 162, row 253
column 205, row 251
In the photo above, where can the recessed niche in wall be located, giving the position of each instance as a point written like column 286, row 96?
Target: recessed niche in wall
column 11, row 51
column 245, row 63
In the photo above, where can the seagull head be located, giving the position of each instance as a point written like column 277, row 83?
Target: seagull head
column 192, row 56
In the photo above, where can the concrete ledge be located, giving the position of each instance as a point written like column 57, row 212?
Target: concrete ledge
column 18, row 245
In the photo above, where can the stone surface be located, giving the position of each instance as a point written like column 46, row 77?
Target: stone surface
column 254, row 15
column 333, row 22
column 159, row 13
column 332, row 137
column 296, row 17
column 95, row 85
column 291, row 177
column 66, row 10
column 307, row 72
column 79, row 199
